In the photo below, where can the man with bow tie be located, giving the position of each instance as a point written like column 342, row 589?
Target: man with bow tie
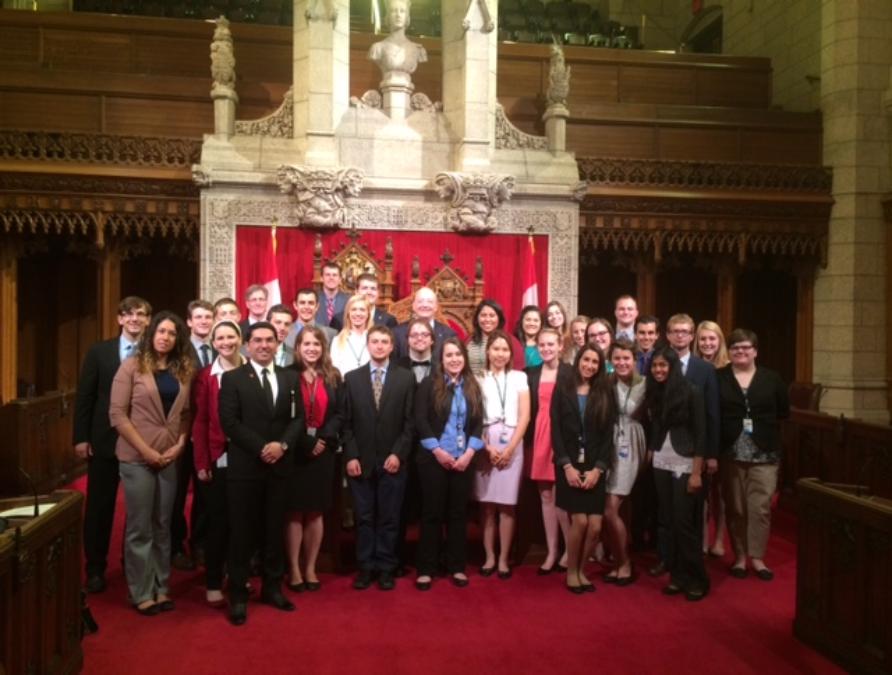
column 95, row 438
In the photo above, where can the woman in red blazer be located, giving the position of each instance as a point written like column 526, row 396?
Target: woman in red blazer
column 209, row 444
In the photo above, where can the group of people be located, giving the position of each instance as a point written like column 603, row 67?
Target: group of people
column 268, row 415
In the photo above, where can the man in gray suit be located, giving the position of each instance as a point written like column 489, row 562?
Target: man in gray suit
column 280, row 317
column 306, row 304
column 331, row 299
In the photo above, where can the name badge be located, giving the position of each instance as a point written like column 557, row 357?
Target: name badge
column 311, row 431
column 623, row 448
column 747, row 425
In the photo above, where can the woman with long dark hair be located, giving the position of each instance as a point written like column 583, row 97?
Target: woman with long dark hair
column 583, row 413
column 675, row 419
column 526, row 330
column 449, row 421
column 489, row 317
column 314, row 459
column 149, row 408
column 209, row 450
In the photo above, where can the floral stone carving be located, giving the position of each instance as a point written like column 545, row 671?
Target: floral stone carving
column 320, row 193
column 474, row 198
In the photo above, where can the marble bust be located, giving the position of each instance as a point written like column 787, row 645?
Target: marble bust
column 396, row 55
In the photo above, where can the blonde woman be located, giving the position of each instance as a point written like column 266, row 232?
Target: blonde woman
column 556, row 317
column 709, row 345
column 348, row 348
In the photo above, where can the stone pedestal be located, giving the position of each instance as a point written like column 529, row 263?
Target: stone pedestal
column 849, row 296
column 556, row 127
column 225, row 102
column 396, row 92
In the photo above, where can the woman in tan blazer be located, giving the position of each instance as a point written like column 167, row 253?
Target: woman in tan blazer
column 149, row 408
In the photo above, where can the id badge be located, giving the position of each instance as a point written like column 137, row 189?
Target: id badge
column 504, row 437
column 623, row 449
column 748, row 426
column 460, row 442
column 580, row 458
column 311, row 431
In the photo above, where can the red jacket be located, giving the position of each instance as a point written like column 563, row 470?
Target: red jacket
column 208, row 439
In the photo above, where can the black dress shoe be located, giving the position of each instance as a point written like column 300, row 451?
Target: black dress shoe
column 277, row 600
column 544, row 571
column 657, row 570
column 299, row 587
column 423, row 585
column 672, row 589
column 363, row 580
column 386, row 581
column 181, row 561
column 695, row 594
column 505, row 574
column 459, row 582
column 95, row 583
column 561, row 568
column 576, row 590
column 624, row 581
column 166, row 605
column 738, row 572
column 150, row 610
column 238, row 613
column 610, row 578
column 765, row 574
column 588, row 588
column 313, row 586
column 487, row 571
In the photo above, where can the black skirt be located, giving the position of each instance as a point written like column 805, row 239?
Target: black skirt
column 313, row 482
column 577, row 500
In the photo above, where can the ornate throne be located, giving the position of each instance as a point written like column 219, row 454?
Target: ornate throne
column 355, row 259
column 456, row 295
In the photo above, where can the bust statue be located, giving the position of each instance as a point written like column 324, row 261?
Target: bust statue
column 396, row 55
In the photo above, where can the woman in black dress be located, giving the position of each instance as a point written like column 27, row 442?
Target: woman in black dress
column 675, row 420
column 314, row 463
column 583, row 414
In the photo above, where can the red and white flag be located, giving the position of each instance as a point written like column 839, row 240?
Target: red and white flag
column 269, row 271
column 530, row 285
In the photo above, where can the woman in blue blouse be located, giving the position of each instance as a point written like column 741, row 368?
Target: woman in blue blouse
column 449, row 421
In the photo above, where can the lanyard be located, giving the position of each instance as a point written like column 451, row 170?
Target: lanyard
column 312, row 394
column 460, row 407
column 356, row 356
column 502, row 391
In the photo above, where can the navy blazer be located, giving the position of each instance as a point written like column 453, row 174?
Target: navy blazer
column 340, row 301
column 702, row 374
column 370, row 435
column 91, row 423
column 249, row 423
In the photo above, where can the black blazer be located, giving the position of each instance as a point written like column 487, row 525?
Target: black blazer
column 769, row 403
column 91, row 423
column 380, row 318
column 566, row 431
column 330, row 431
column 430, row 423
column 687, row 438
column 406, row 362
column 401, row 339
column 369, row 434
column 249, row 423
column 534, row 374
column 702, row 374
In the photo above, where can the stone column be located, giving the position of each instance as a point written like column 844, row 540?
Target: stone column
column 849, row 295
column 321, row 75
column 469, row 78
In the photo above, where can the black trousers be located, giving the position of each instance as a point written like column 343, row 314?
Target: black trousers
column 256, row 516
column 681, row 518
column 102, row 493
column 377, row 503
column 444, row 501
column 216, row 512
column 179, row 528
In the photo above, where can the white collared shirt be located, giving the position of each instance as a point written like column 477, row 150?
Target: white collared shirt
column 684, row 362
column 273, row 381
column 126, row 348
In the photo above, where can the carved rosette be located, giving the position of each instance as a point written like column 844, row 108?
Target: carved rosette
column 474, row 199
column 320, row 194
column 509, row 137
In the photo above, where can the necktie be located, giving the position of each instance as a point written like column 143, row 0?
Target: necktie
column 128, row 350
column 329, row 309
column 267, row 388
column 377, row 386
column 205, row 355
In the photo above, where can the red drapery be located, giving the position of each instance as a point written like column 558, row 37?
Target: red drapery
column 503, row 257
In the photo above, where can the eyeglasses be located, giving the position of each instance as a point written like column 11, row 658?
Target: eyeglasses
column 740, row 348
column 680, row 331
column 600, row 333
column 135, row 313
column 420, row 335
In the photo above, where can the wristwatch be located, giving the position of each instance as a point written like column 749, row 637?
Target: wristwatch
column 284, row 446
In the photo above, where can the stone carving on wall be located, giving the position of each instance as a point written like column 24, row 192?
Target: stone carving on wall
column 278, row 124
column 558, row 77
column 320, row 194
column 322, row 10
column 474, row 198
column 201, row 177
column 370, row 99
column 487, row 24
column 222, row 59
column 509, row 137
column 423, row 103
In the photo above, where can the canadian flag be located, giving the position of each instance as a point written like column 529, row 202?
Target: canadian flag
column 530, row 286
column 269, row 271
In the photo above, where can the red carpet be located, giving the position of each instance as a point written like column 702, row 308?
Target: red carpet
column 528, row 624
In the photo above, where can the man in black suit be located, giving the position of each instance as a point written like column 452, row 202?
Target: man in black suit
column 367, row 285
column 377, row 414
column 424, row 306
column 261, row 412
column 331, row 300
column 94, row 438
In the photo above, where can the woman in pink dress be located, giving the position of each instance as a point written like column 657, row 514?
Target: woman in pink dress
column 542, row 380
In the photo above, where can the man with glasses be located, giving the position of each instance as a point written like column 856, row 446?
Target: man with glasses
column 95, row 438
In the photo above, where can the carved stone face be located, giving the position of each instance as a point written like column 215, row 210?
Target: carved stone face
column 398, row 15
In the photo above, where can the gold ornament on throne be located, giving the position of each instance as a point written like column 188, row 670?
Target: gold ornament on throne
column 355, row 259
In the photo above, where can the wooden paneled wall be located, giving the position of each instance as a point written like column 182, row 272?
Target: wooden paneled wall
column 146, row 76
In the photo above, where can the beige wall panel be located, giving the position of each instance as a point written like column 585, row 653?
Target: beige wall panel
column 55, row 112
column 158, row 118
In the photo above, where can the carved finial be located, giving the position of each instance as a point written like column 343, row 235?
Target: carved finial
column 388, row 249
column 353, row 234
column 416, row 267
column 478, row 269
column 222, row 56
column 447, row 257
column 558, row 77
column 317, row 246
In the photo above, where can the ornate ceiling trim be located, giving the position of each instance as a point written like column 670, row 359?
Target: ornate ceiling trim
column 692, row 175
column 89, row 148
